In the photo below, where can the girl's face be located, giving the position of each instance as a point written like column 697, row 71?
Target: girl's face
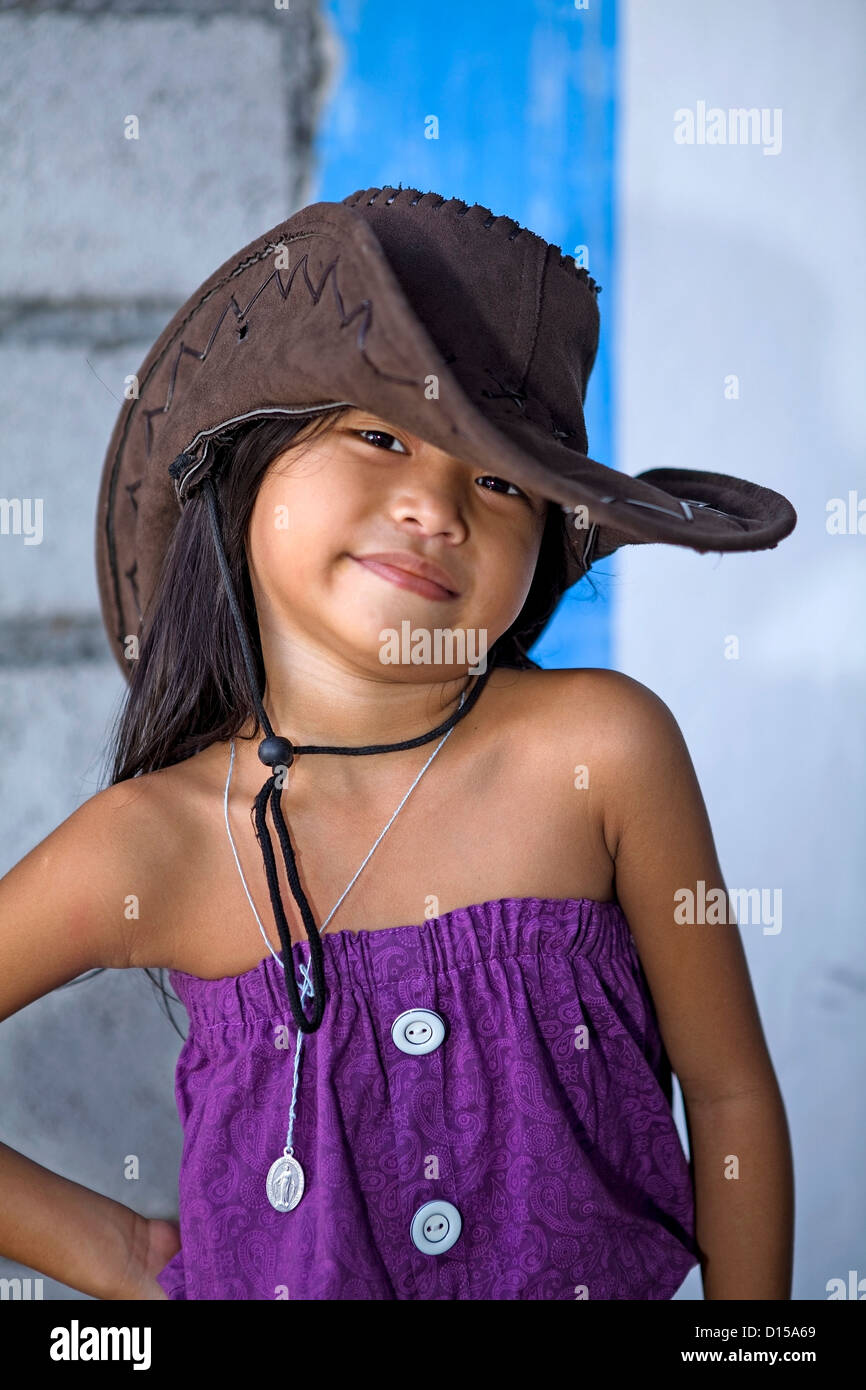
column 371, row 489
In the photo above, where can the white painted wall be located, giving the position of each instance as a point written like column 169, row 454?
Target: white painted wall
column 733, row 261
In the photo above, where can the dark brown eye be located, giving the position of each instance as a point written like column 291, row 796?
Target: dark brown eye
column 381, row 434
column 489, row 477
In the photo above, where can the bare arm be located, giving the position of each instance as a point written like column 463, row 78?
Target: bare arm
column 744, row 1226
column 658, row 833
column 68, row 1232
column 61, row 914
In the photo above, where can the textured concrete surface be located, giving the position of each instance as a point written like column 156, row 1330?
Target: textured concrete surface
column 103, row 239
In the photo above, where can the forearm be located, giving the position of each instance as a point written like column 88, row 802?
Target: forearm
column 744, row 1194
column 66, row 1231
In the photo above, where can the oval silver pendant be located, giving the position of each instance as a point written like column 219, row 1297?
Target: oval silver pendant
column 285, row 1183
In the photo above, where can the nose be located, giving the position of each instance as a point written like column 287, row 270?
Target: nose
column 430, row 506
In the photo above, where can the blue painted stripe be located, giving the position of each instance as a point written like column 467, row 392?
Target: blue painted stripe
column 525, row 97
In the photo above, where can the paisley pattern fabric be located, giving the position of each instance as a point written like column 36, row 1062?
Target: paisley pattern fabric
column 544, row 1117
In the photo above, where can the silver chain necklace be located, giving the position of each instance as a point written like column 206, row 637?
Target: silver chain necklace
column 285, row 1181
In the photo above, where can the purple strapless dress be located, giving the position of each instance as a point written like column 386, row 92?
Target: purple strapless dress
column 485, row 1113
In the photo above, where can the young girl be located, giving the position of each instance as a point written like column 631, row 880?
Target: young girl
column 432, row 1033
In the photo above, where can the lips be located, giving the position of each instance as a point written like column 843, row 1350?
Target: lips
column 411, row 572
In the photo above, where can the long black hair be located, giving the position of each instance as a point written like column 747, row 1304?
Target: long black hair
column 189, row 687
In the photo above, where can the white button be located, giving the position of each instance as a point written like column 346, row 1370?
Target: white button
column 435, row 1227
column 418, row 1030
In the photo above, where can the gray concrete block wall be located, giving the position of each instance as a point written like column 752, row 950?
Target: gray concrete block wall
column 102, row 239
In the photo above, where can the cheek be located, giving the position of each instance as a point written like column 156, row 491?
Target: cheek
column 270, row 531
column 521, row 559
column 534, row 543
column 275, row 543
column 519, row 569
column 292, row 536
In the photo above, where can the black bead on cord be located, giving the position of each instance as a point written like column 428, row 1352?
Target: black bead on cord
column 277, row 751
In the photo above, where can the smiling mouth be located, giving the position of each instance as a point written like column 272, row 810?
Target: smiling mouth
column 404, row 580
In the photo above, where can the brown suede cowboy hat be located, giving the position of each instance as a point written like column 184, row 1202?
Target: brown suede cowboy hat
column 459, row 325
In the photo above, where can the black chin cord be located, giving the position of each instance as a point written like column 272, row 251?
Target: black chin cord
column 279, row 753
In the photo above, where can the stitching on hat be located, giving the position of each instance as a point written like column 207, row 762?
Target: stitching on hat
column 518, row 398
column 130, row 574
column 490, row 221
column 565, row 262
column 364, row 308
column 236, row 270
column 521, row 399
column 684, row 513
column 742, row 522
column 247, row 261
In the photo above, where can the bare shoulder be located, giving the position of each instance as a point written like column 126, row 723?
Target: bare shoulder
column 612, row 709
column 133, row 835
column 64, row 907
column 126, row 819
column 605, row 727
